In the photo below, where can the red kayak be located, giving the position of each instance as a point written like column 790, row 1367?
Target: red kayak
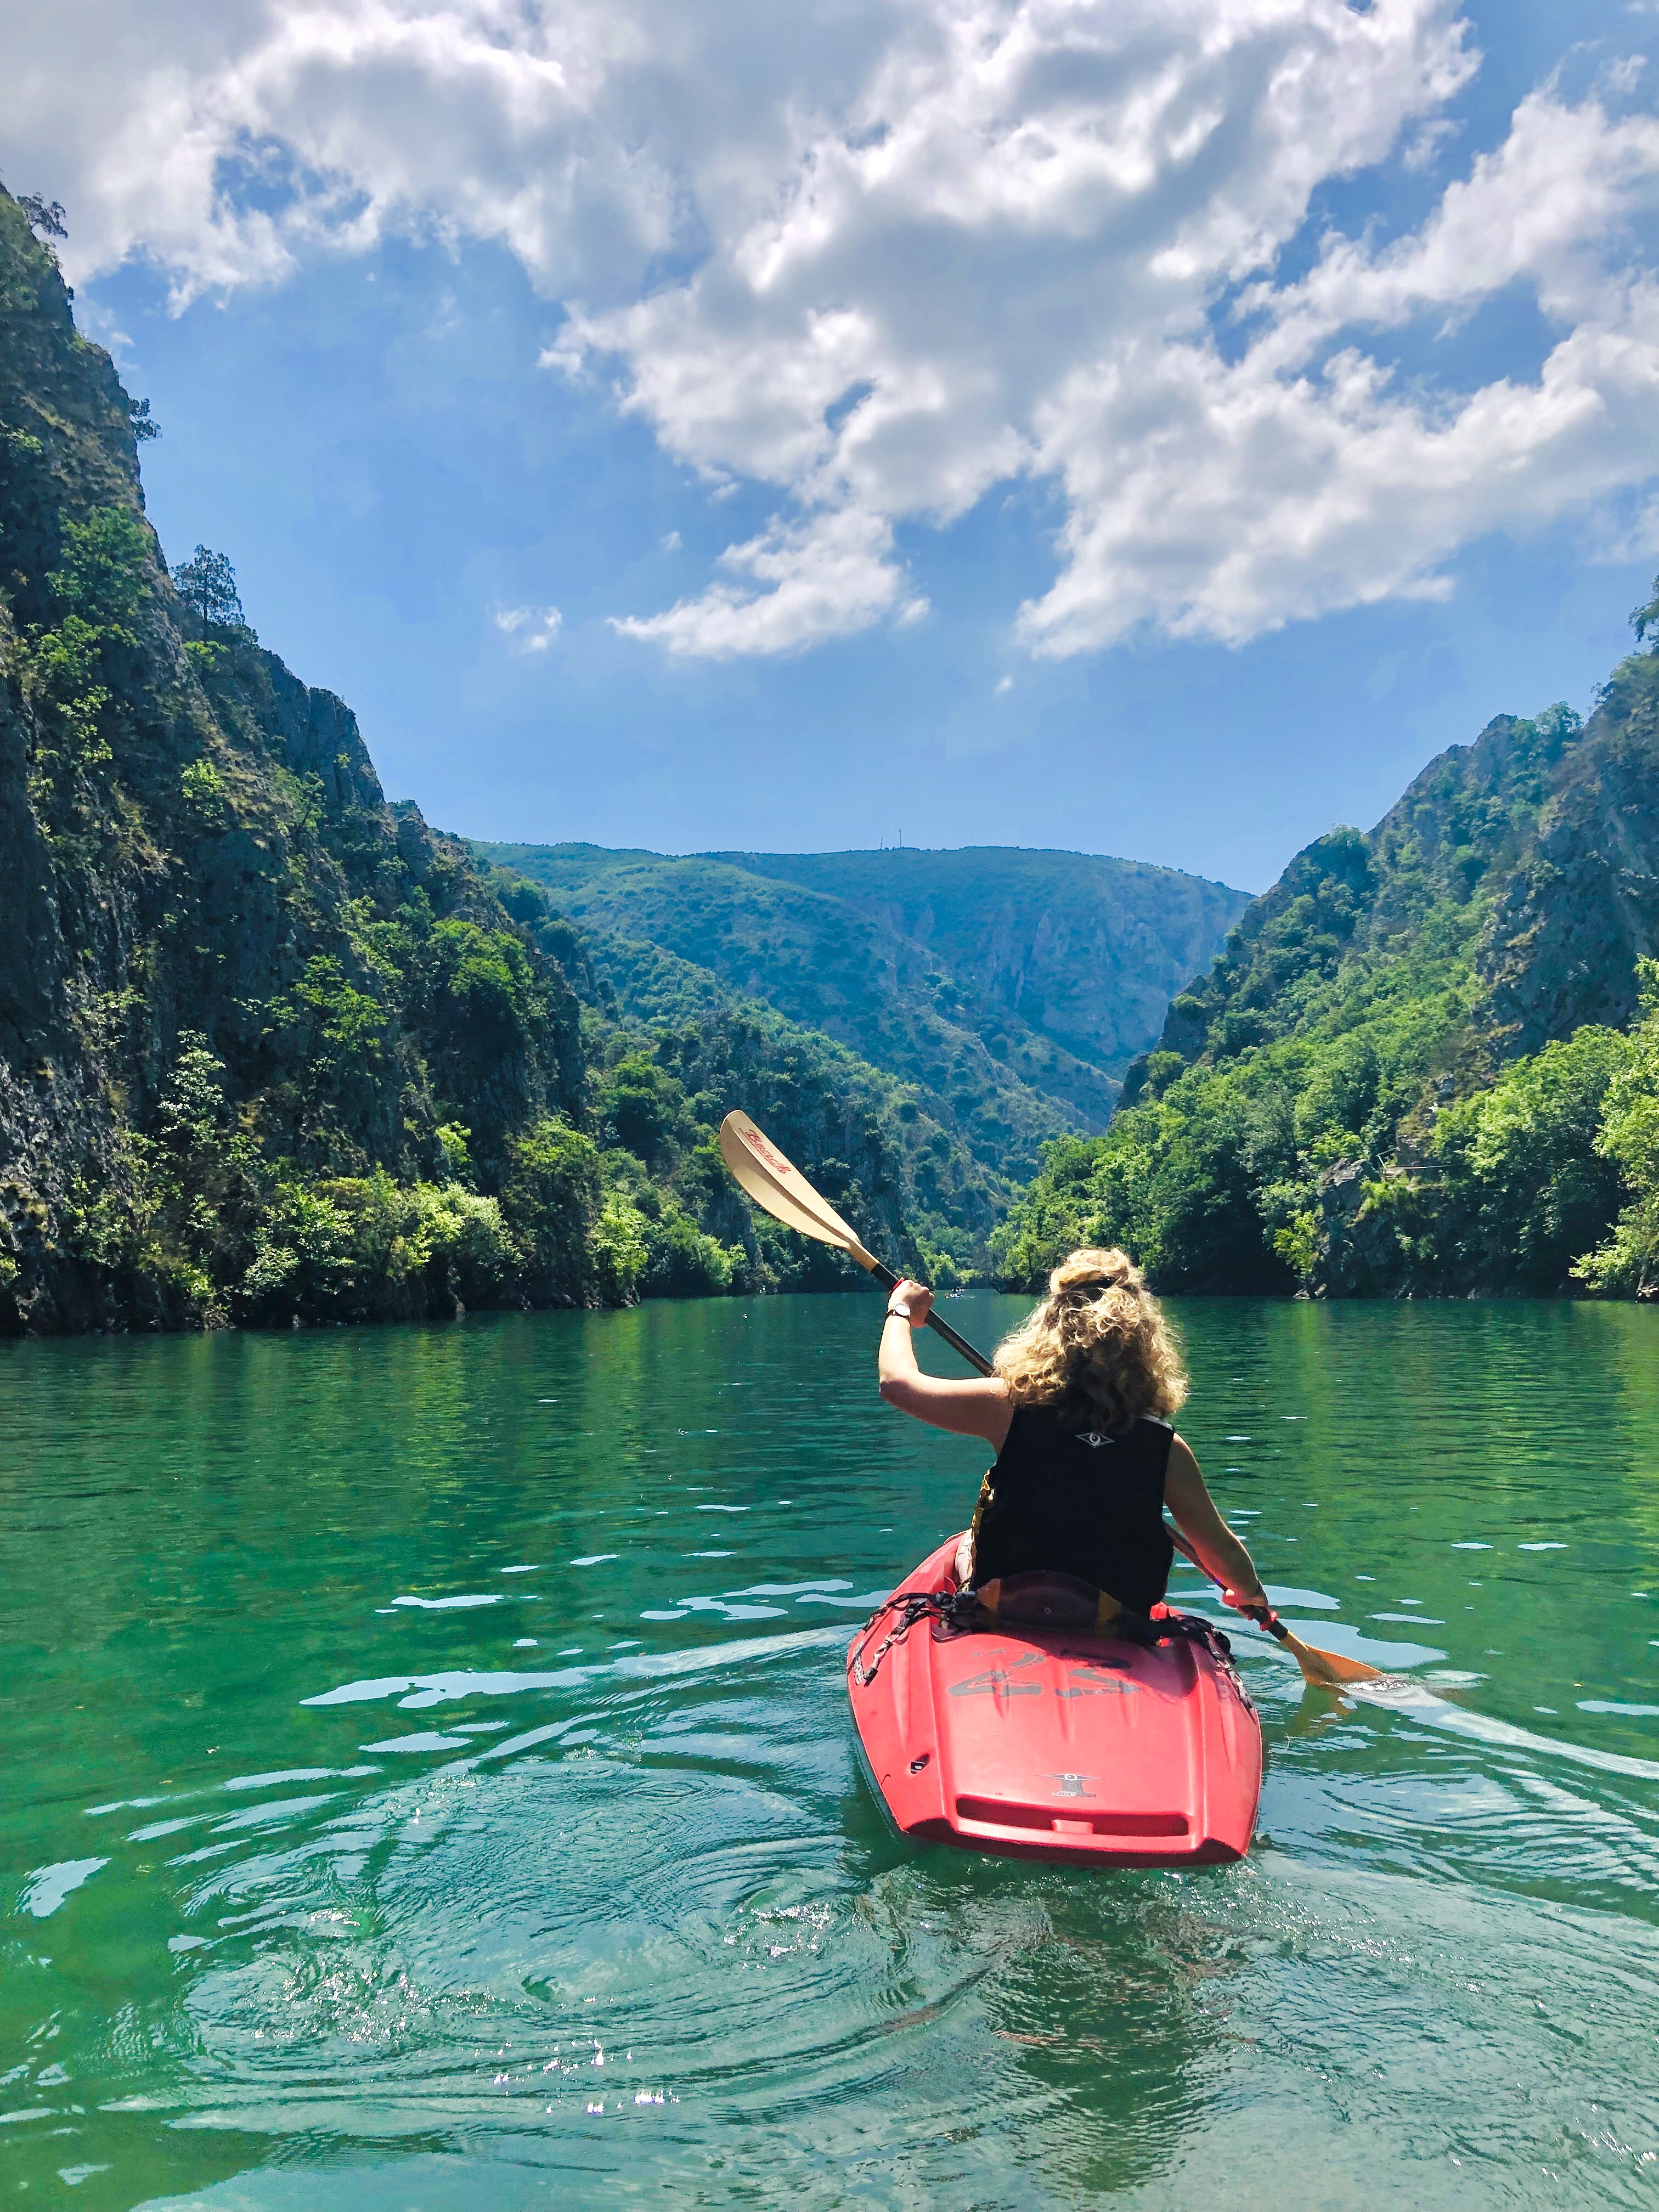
column 1049, row 1743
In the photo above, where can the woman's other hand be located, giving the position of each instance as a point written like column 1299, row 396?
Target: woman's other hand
column 917, row 1297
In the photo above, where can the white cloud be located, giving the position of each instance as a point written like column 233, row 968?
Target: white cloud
column 531, row 630
column 1305, row 482
column 826, row 577
column 932, row 245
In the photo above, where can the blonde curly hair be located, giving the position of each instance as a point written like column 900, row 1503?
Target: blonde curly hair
column 1098, row 1349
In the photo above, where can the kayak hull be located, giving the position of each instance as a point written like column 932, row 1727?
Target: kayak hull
column 1076, row 1749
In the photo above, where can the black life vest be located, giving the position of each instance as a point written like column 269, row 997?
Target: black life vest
column 1078, row 1502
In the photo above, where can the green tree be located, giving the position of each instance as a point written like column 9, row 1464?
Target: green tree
column 682, row 1261
column 551, row 1199
column 1525, row 1188
column 484, row 991
column 104, row 573
column 302, row 1257
column 619, row 1246
column 45, row 216
column 207, row 584
column 641, row 1102
column 179, row 1215
column 73, row 669
column 346, row 1024
column 1627, row 1264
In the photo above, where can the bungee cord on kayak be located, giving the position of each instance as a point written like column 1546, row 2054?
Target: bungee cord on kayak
column 961, row 1612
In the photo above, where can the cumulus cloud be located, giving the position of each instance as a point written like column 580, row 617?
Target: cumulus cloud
column 532, row 629
column 882, row 258
column 1307, row 482
column 825, row 577
column 228, row 142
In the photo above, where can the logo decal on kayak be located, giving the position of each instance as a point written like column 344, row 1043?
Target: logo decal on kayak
column 1070, row 1785
column 1091, row 1683
column 996, row 1678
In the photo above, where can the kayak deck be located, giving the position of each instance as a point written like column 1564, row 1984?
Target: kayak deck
column 1058, row 1744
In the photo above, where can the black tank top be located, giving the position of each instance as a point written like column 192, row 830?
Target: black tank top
column 1081, row 1504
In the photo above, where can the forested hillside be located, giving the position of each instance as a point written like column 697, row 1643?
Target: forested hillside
column 1087, row 950
column 273, row 1049
column 1427, row 1061
column 1011, row 989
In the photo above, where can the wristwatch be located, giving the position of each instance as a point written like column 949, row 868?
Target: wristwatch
column 898, row 1310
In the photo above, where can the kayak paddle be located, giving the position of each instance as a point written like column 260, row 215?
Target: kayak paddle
column 777, row 1184
column 1327, row 1670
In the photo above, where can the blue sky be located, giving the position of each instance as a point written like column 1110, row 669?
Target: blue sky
column 1163, row 503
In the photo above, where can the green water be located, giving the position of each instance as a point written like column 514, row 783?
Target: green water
column 401, row 1722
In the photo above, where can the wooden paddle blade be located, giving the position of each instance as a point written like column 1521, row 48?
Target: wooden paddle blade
column 1328, row 1669
column 777, row 1183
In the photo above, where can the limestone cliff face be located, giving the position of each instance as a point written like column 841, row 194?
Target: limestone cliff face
column 274, row 1050
column 1582, row 904
column 54, row 1114
column 1526, row 863
column 194, row 844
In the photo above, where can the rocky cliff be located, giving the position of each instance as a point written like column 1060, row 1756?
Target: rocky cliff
column 272, row 1049
column 1528, row 862
column 1417, row 1065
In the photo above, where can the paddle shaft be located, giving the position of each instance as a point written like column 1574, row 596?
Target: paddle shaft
column 890, row 1282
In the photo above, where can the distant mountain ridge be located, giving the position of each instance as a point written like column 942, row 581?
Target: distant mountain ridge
column 1011, row 987
column 1088, row 950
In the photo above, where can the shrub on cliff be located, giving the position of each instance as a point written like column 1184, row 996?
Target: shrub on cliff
column 1627, row 1264
column 1524, row 1186
column 552, row 1199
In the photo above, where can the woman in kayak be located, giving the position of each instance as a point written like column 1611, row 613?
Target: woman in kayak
column 1077, row 1414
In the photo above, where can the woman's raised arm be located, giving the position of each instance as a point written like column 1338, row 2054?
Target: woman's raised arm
column 979, row 1409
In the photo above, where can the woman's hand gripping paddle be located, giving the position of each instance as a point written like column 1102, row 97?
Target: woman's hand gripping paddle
column 777, row 1184
column 1327, row 1670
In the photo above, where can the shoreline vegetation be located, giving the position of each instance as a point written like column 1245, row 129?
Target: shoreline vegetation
column 273, row 1051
